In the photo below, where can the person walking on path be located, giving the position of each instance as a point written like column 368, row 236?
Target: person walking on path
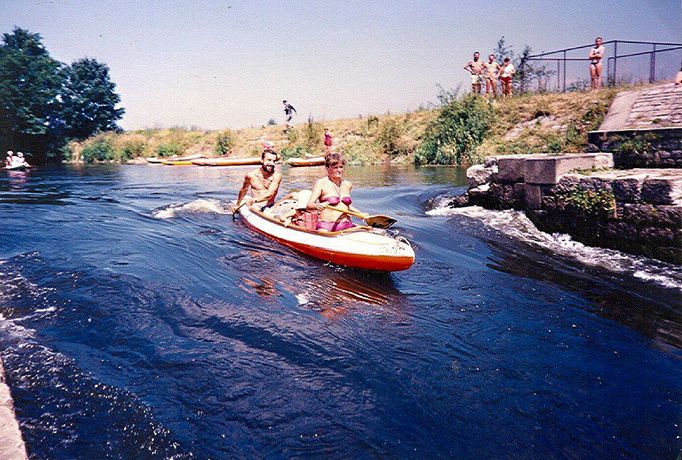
column 289, row 111
column 327, row 141
column 475, row 68
column 506, row 72
column 492, row 68
column 596, row 55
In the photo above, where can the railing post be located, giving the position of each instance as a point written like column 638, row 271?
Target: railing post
column 564, row 71
column 652, row 66
column 615, row 63
column 558, row 75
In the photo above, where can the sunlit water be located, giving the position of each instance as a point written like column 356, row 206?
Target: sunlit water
column 140, row 321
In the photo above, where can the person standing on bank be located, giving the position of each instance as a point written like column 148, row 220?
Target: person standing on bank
column 506, row 72
column 596, row 55
column 475, row 68
column 289, row 111
column 327, row 141
column 492, row 68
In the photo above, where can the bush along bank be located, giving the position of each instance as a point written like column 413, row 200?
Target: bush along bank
column 637, row 211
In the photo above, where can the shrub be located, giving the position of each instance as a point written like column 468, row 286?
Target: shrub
column 224, row 143
column 291, row 152
column 292, row 135
column 169, row 150
column 272, row 122
column 600, row 203
column 388, row 137
column 131, row 149
column 459, row 128
column 98, row 150
column 312, row 136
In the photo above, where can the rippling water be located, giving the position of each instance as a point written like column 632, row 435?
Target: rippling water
column 140, row 321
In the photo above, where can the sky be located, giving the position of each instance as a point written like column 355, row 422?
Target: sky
column 229, row 64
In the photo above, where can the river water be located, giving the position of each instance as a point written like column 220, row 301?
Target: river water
column 140, row 321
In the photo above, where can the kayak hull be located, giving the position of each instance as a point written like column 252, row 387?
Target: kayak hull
column 298, row 162
column 226, row 161
column 359, row 247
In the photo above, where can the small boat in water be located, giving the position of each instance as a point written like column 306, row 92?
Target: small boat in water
column 358, row 247
column 170, row 160
column 225, row 161
column 313, row 161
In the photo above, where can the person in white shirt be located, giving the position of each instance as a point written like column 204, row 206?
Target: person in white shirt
column 596, row 55
column 506, row 72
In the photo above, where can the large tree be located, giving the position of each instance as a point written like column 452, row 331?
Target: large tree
column 30, row 83
column 88, row 100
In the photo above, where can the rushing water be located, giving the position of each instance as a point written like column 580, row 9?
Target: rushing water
column 140, row 321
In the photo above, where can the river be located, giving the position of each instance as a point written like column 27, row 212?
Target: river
column 138, row 320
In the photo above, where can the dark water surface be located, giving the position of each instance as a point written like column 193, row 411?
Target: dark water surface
column 140, row 321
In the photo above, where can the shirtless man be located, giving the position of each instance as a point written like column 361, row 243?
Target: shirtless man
column 595, row 57
column 492, row 68
column 264, row 183
column 475, row 67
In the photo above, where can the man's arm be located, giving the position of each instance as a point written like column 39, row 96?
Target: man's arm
column 244, row 189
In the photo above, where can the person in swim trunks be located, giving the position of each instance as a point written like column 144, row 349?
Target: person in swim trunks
column 332, row 190
column 264, row 183
column 475, row 68
column 491, row 69
column 506, row 72
column 596, row 55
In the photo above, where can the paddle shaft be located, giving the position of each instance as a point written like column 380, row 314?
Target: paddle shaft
column 348, row 211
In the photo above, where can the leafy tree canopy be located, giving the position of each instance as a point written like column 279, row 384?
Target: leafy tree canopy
column 45, row 103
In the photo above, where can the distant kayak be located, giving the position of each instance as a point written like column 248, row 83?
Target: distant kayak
column 16, row 168
column 157, row 160
column 314, row 161
column 226, row 161
column 177, row 162
column 358, row 247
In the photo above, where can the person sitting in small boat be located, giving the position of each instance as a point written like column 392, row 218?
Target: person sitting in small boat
column 20, row 160
column 10, row 159
column 332, row 190
column 264, row 183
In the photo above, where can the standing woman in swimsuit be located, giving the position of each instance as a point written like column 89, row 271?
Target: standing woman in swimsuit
column 332, row 190
column 595, row 56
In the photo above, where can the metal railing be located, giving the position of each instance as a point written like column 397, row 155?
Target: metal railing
column 612, row 61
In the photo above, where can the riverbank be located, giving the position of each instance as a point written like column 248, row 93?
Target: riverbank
column 529, row 123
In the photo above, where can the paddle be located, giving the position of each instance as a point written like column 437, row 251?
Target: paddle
column 235, row 210
column 378, row 220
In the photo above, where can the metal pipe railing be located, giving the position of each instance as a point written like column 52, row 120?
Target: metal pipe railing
column 612, row 61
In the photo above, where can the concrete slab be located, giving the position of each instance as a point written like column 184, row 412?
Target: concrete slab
column 511, row 167
column 619, row 111
column 548, row 170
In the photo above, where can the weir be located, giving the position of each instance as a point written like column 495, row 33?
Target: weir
column 627, row 195
column 11, row 443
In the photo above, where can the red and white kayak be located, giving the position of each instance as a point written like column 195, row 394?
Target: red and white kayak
column 358, row 247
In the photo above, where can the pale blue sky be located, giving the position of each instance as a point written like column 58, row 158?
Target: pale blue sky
column 229, row 64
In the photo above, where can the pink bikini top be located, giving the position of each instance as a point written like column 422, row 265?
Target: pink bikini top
column 334, row 200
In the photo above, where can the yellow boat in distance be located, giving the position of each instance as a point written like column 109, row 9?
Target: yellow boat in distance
column 226, row 161
column 169, row 160
column 314, row 161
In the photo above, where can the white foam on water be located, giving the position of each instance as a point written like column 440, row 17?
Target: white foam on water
column 518, row 226
column 200, row 206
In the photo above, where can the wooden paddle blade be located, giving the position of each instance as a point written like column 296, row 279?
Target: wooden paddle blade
column 380, row 221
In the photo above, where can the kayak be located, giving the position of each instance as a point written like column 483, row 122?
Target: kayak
column 358, row 247
column 314, row 161
column 226, row 161
column 157, row 160
column 177, row 162
column 16, row 168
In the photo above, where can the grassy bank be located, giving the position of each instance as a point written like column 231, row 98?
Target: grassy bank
column 462, row 130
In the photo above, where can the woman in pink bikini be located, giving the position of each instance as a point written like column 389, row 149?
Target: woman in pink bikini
column 332, row 190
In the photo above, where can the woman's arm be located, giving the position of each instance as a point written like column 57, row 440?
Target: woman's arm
column 315, row 196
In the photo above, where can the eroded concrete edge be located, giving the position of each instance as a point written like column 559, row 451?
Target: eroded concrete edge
column 12, row 445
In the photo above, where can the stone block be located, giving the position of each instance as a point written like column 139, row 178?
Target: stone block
column 548, row 170
column 662, row 190
column 659, row 236
column 533, row 196
column 511, row 167
column 627, row 190
column 478, row 175
column 649, row 214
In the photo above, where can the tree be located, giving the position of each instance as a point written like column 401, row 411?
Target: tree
column 30, row 82
column 88, row 100
column 502, row 51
